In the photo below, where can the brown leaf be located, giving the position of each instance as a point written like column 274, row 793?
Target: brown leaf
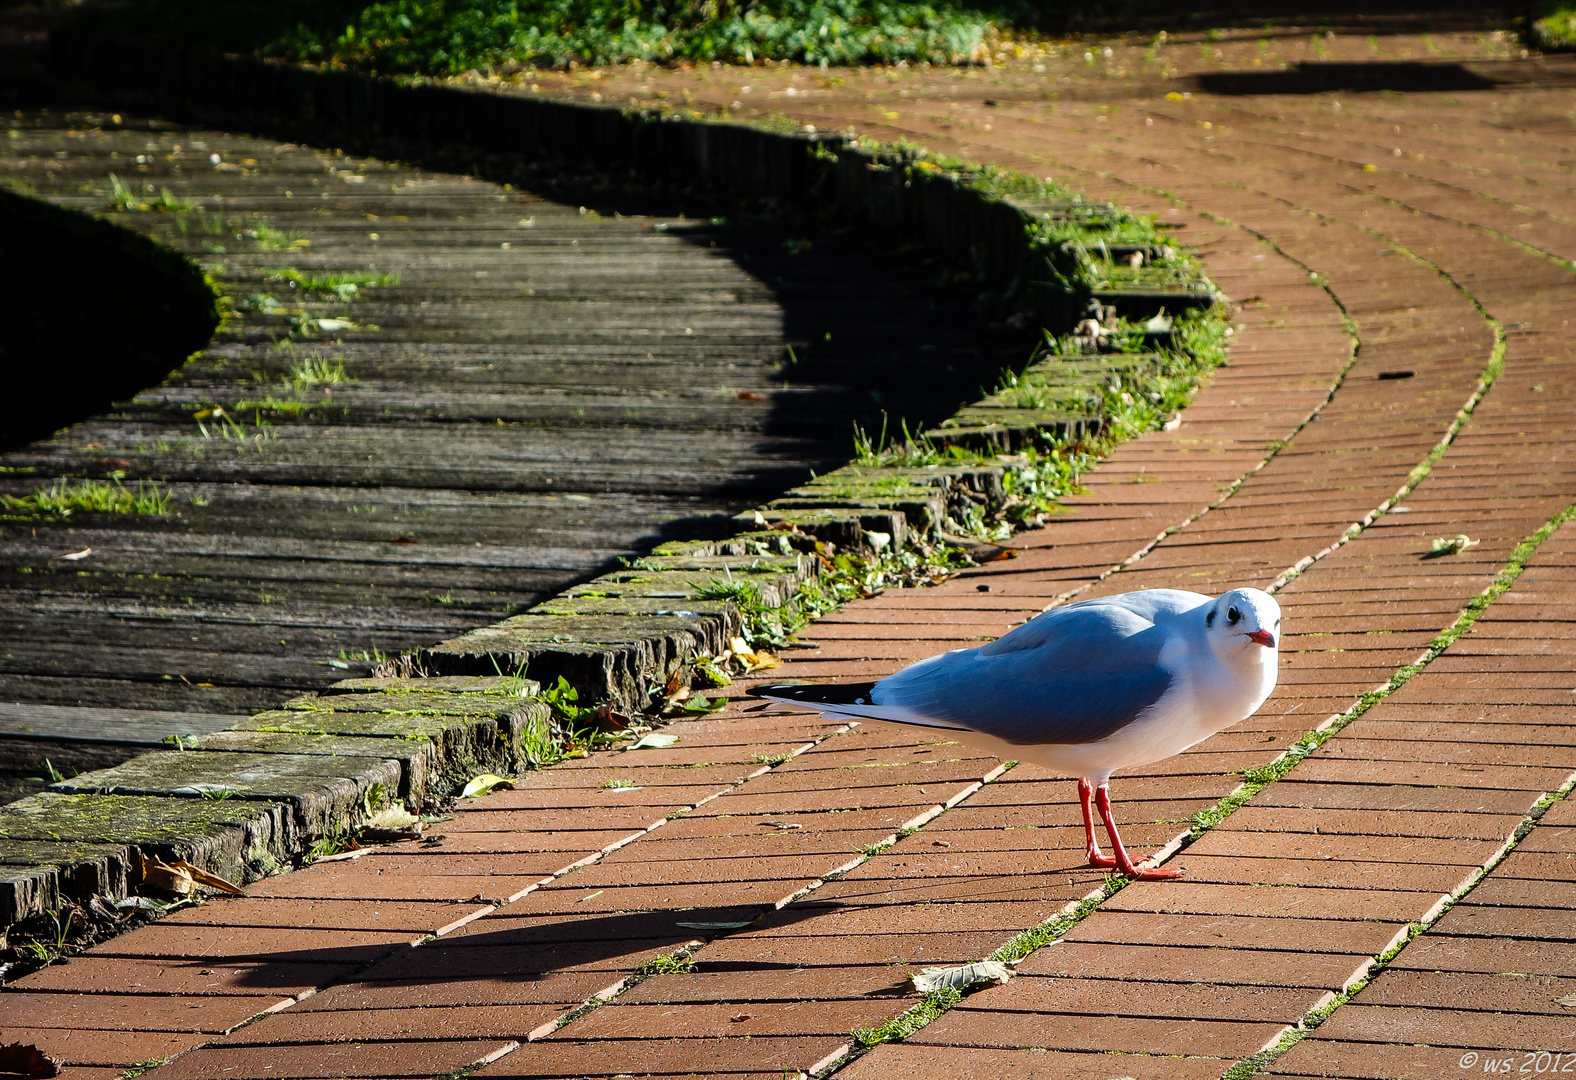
column 610, row 720
column 403, row 540
column 750, row 395
column 179, row 877
column 25, row 1059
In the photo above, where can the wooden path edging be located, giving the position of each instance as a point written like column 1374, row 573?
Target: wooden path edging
column 244, row 803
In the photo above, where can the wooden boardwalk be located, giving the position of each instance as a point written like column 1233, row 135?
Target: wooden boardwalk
column 435, row 402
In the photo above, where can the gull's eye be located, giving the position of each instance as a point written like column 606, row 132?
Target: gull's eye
column 1233, row 615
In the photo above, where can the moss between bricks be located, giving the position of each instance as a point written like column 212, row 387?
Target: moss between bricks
column 1038, row 252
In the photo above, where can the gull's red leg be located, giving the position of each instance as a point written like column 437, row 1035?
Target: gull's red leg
column 1092, row 846
column 1102, row 798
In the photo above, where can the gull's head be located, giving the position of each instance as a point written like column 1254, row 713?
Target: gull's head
column 1244, row 623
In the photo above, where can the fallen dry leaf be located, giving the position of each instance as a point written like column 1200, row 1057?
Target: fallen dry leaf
column 781, row 824
column 1569, row 1001
column 179, row 877
column 1450, row 545
column 481, row 785
column 76, row 556
column 390, row 825
column 25, row 1059
column 654, row 741
column 961, row 977
column 608, row 719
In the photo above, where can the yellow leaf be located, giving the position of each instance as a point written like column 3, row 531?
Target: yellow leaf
column 481, row 785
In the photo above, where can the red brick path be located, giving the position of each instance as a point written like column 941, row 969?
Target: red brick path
column 537, row 900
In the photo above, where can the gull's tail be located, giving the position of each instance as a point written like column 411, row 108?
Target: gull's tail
column 846, row 700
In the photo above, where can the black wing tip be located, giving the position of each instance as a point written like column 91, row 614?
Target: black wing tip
column 817, row 693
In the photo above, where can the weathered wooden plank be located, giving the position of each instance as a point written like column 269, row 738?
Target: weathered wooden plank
column 615, row 658
column 95, row 691
column 126, row 726
column 417, row 758
column 67, row 868
column 482, row 732
column 325, row 793
column 237, row 839
column 444, row 685
column 28, row 890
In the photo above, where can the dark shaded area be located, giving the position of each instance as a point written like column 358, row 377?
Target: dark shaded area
column 94, row 314
column 1323, row 77
column 1341, row 16
column 478, row 959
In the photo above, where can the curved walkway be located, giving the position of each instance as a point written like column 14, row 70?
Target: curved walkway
column 435, row 401
column 743, row 900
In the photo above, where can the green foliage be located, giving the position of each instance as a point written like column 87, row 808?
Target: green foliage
column 563, row 700
column 676, row 963
column 447, row 37
column 743, row 594
column 1553, row 24
column 914, row 451
column 65, row 497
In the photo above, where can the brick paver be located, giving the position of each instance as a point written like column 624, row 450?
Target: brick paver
column 1363, row 836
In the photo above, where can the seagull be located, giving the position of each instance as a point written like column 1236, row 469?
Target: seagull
column 1086, row 689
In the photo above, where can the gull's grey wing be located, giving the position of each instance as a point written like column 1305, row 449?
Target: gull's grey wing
column 1084, row 672
column 1065, row 624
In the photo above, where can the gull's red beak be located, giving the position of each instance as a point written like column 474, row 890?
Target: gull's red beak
column 1263, row 637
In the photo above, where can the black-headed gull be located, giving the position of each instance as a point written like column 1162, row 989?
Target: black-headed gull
column 1086, row 689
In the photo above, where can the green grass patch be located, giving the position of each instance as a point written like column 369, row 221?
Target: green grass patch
column 314, row 371
column 288, row 406
column 1057, row 925
column 66, row 497
column 344, row 286
column 905, row 1024
column 125, row 199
